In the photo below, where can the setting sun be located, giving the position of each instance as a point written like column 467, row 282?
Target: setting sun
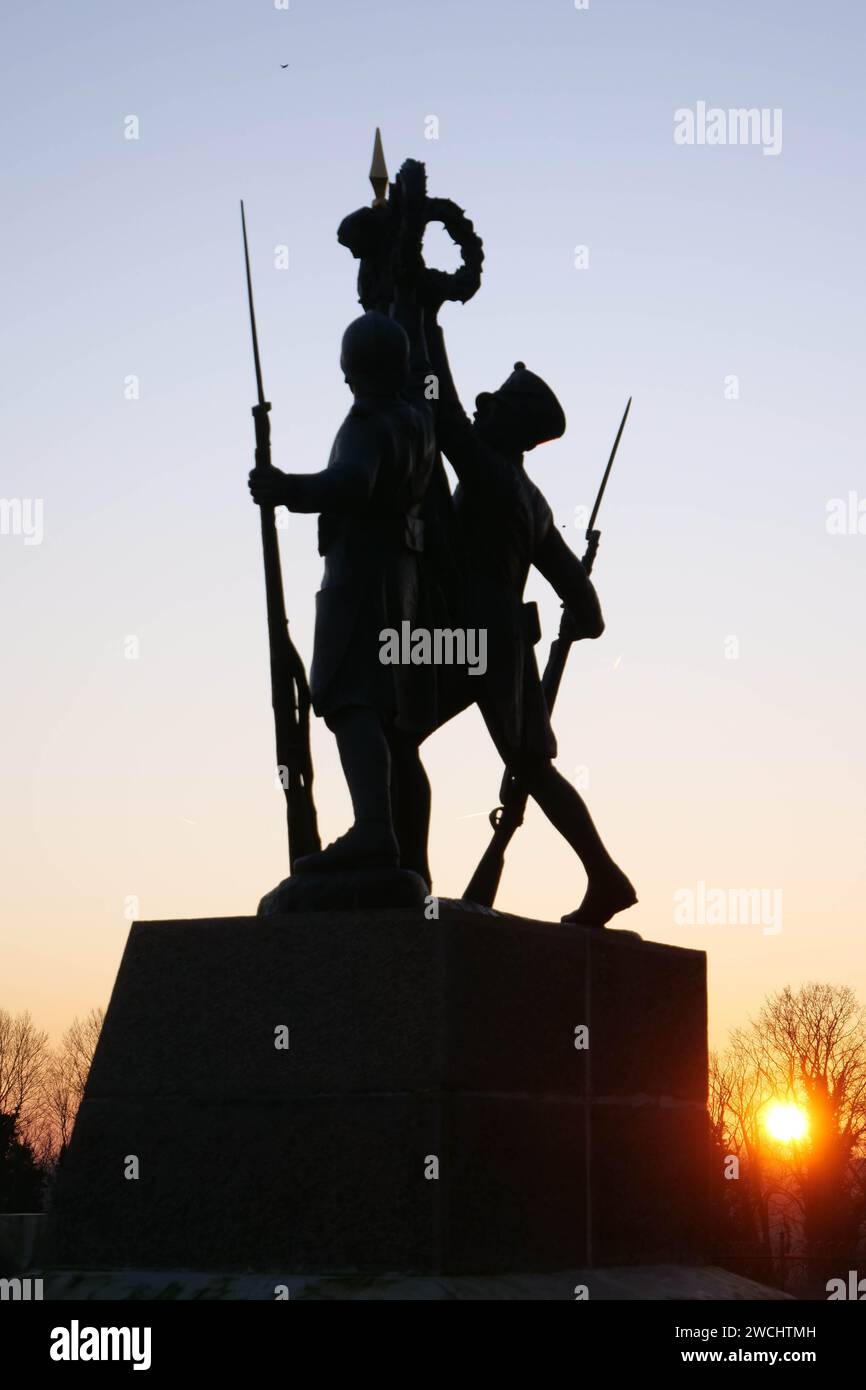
column 786, row 1123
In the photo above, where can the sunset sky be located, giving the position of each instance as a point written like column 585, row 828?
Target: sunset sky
column 718, row 720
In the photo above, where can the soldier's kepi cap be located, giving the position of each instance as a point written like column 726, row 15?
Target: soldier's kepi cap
column 541, row 416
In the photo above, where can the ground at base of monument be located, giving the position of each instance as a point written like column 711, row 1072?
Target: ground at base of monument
column 643, row 1283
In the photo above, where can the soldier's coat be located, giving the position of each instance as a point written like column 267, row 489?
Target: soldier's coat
column 506, row 526
column 371, row 537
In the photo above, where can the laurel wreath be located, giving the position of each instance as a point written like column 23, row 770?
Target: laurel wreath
column 456, row 285
column 417, row 210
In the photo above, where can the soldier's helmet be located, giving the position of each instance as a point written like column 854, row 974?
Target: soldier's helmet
column 375, row 355
column 534, row 413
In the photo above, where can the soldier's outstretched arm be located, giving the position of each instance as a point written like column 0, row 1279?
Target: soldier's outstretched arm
column 448, row 401
column 347, row 483
column 564, row 572
column 454, row 433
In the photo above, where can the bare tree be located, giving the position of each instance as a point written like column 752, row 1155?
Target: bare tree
column 66, row 1076
column 739, row 1092
column 23, row 1064
column 79, row 1045
column 807, row 1048
column 814, row 1055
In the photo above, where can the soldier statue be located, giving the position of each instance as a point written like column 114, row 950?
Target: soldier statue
column 505, row 526
column 369, row 498
column 399, row 549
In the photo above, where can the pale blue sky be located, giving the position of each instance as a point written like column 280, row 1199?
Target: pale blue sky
column 153, row 778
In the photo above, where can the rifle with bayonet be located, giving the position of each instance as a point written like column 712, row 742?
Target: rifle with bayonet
column 507, row 818
column 290, row 692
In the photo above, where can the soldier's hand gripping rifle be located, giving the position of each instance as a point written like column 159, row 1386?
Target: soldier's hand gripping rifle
column 507, row 818
column 290, row 692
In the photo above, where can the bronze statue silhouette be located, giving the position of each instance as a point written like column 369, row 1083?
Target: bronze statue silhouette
column 505, row 527
column 398, row 549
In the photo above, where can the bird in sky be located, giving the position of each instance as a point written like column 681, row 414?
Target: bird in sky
column 284, row 65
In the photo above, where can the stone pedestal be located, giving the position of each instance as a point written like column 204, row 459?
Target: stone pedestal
column 431, row 1111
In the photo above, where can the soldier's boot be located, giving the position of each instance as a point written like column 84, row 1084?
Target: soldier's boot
column 371, row 842
column 607, row 893
column 368, row 845
column 609, row 890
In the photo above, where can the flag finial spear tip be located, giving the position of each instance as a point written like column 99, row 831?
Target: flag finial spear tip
column 379, row 169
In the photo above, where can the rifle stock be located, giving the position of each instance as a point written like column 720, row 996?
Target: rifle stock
column 506, row 821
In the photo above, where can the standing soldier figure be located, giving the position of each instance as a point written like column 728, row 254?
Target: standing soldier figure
column 371, row 536
column 506, row 526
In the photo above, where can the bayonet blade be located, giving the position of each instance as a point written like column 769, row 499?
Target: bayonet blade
column 259, row 386
column 591, row 525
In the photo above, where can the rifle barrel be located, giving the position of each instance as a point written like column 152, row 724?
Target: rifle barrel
column 290, row 694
